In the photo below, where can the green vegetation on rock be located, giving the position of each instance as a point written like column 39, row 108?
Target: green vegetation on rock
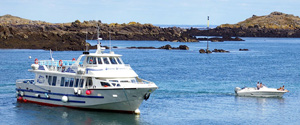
column 275, row 20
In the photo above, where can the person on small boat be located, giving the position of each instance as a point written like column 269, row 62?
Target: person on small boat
column 261, row 85
column 257, row 85
column 280, row 89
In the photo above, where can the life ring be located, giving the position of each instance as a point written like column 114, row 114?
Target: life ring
column 36, row 61
column 60, row 63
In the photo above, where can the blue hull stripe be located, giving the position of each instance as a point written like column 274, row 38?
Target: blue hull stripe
column 50, row 93
column 74, row 101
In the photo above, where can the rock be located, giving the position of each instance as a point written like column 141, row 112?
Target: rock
column 220, row 51
column 133, row 47
column 201, row 51
column 243, row 49
column 208, row 51
column 167, row 47
column 183, row 47
column 146, row 48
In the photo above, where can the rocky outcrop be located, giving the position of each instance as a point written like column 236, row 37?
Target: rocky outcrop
column 167, row 47
column 276, row 24
column 21, row 33
column 224, row 38
column 220, row 51
column 215, row 51
column 243, row 49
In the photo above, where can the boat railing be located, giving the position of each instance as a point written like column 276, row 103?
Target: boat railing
column 31, row 81
column 143, row 81
column 56, row 63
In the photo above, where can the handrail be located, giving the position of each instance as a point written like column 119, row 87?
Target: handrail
column 56, row 62
column 145, row 82
column 31, row 81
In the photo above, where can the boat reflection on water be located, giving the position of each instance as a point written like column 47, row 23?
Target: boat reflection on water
column 61, row 115
column 261, row 101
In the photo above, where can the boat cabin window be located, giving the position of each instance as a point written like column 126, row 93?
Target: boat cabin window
column 133, row 81
column 105, row 60
column 113, row 81
column 49, row 79
column 62, row 81
column 89, row 82
column 105, row 84
column 124, row 81
column 112, row 60
column 91, row 60
column 119, row 61
column 76, row 83
column 54, row 81
column 81, row 82
column 67, row 82
column 71, row 82
column 99, row 60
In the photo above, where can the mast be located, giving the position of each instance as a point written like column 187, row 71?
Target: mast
column 98, row 41
column 207, row 33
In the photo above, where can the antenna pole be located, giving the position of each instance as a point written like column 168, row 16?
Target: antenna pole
column 207, row 32
column 86, row 47
column 109, row 42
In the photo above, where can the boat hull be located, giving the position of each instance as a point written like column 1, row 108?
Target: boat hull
column 113, row 99
column 269, row 92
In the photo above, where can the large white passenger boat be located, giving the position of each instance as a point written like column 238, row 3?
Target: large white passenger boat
column 93, row 81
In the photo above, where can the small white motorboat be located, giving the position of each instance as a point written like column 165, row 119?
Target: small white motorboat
column 262, row 92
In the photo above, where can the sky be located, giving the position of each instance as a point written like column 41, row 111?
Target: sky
column 165, row 12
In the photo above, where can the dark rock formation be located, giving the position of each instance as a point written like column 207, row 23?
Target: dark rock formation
column 243, row 49
column 220, row 51
column 204, row 51
column 169, row 47
column 276, row 24
column 20, row 33
column 224, row 38
column 201, row 51
column 133, row 47
column 184, row 47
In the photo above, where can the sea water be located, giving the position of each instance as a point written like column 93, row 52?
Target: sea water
column 194, row 88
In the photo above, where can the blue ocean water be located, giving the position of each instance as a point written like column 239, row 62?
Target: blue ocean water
column 194, row 88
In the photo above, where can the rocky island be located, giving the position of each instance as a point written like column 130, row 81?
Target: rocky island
column 19, row 33
column 276, row 24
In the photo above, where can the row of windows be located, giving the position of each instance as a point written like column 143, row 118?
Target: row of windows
column 65, row 81
column 69, row 82
column 103, row 60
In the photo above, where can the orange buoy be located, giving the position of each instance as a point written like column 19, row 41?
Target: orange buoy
column 60, row 63
column 36, row 61
column 73, row 59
